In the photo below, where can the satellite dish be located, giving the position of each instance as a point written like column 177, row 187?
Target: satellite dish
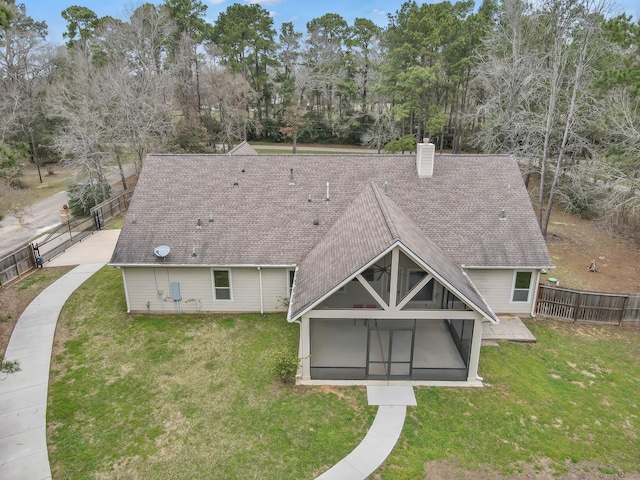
column 161, row 251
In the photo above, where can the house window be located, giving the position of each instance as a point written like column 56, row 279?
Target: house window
column 222, row 285
column 290, row 277
column 426, row 293
column 521, row 286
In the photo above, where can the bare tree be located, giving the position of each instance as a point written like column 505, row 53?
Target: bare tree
column 590, row 47
column 230, row 95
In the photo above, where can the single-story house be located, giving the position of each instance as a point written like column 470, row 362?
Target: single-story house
column 390, row 263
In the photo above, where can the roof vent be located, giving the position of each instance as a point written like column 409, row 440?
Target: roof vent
column 199, row 224
column 425, row 154
column 309, row 199
column 327, row 198
column 291, row 182
column 386, row 188
column 161, row 251
column 316, row 222
column 502, row 215
column 235, row 183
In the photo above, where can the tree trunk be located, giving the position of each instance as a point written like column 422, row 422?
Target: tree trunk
column 123, row 178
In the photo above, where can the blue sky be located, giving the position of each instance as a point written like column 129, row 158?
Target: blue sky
column 297, row 11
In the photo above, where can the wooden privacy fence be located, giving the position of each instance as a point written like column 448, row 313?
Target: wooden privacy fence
column 16, row 263
column 589, row 307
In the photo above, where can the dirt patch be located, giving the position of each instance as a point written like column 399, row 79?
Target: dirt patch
column 574, row 242
column 16, row 297
column 331, row 389
column 542, row 470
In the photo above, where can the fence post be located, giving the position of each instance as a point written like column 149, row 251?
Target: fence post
column 577, row 307
column 624, row 310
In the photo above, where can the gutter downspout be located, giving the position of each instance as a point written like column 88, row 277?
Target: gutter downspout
column 126, row 291
column 535, row 295
column 261, row 293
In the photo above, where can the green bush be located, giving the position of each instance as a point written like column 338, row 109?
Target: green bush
column 83, row 196
column 284, row 365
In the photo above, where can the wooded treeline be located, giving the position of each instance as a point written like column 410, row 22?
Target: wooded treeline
column 555, row 82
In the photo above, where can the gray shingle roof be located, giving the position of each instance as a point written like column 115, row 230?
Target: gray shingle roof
column 260, row 219
column 243, row 148
column 369, row 226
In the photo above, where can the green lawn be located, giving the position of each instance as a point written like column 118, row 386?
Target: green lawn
column 190, row 397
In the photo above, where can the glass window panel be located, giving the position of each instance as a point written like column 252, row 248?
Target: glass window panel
column 223, row 294
column 221, row 278
column 521, row 295
column 523, row 280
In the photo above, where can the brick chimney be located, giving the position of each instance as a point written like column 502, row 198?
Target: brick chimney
column 425, row 153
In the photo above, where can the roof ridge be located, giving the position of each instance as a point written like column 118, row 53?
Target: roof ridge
column 385, row 212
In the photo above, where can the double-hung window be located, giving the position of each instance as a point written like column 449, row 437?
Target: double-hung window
column 521, row 286
column 221, row 284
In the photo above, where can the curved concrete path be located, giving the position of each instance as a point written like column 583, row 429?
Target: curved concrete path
column 381, row 437
column 23, row 396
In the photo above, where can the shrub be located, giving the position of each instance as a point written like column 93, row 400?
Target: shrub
column 284, row 365
column 83, row 196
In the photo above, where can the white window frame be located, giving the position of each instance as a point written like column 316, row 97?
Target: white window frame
column 213, row 283
column 529, row 290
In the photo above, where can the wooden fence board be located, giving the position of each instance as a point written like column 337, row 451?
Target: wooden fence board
column 588, row 307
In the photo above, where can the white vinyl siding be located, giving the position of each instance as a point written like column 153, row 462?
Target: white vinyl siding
column 496, row 286
column 144, row 283
column 274, row 289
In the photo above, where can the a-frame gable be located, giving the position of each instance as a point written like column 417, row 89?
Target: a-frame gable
column 372, row 227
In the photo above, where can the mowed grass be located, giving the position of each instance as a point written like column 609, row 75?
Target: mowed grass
column 570, row 398
column 191, row 397
column 184, row 397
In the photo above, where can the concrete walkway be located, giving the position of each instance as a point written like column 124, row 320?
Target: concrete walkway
column 381, row 437
column 23, row 396
column 96, row 248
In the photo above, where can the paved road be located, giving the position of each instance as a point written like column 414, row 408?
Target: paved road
column 43, row 216
column 304, row 148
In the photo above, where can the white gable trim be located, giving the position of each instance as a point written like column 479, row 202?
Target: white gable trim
column 395, row 308
column 414, row 291
column 372, row 292
column 450, row 287
column 339, row 286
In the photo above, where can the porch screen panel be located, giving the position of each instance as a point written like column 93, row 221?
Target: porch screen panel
column 401, row 347
column 338, row 349
column 462, row 334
